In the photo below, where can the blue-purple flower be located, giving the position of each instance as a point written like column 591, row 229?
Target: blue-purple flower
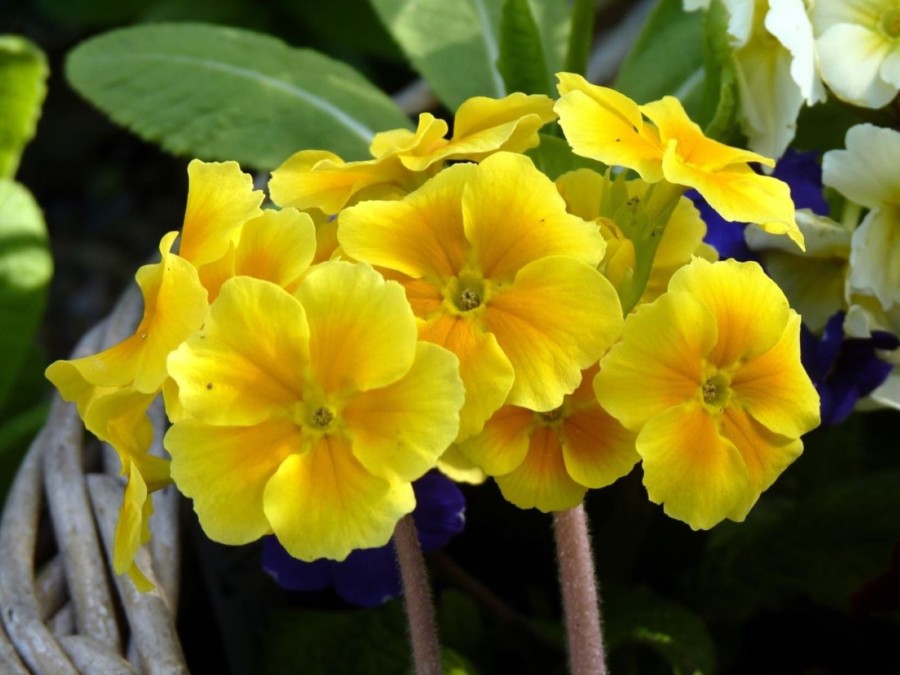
column 370, row 577
column 844, row 370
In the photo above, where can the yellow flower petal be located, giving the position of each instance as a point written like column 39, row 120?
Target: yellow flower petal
column 503, row 443
column 485, row 370
column 248, row 362
column 750, row 309
column 225, row 471
column 548, row 337
column 425, row 140
column 324, row 504
column 351, row 306
column 605, row 125
column 399, row 431
column 775, row 389
column 697, row 475
column 457, row 467
column 509, row 123
column 541, row 481
column 765, row 454
column 513, row 215
column 596, row 448
column 658, row 364
column 278, row 246
column 421, row 236
column 220, row 198
column 315, row 179
column 132, row 530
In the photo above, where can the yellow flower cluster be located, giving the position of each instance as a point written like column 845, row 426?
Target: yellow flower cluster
column 447, row 303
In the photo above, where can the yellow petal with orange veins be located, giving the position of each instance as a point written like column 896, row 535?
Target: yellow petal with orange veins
column 597, row 449
column 248, row 362
column 398, row 432
column 278, row 246
column 119, row 417
column 514, row 215
column 214, row 274
column 765, row 454
column 220, row 198
column 362, row 332
column 324, row 504
column 541, row 481
column 750, row 309
column 697, row 475
column 225, row 471
column 693, row 147
column 503, row 443
column 421, row 236
column 605, row 125
column 485, row 370
column 548, row 335
column 659, row 362
column 775, row 389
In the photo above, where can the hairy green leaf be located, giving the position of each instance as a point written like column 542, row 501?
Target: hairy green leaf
column 452, row 43
column 667, row 57
column 521, row 60
column 23, row 76
column 25, row 271
column 223, row 93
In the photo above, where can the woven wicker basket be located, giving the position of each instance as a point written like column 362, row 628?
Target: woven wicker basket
column 60, row 614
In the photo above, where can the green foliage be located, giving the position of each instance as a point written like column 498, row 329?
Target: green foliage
column 25, row 271
column 456, row 45
column 822, row 548
column 554, row 157
column 452, row 43
column 720, row 104
column 223, row 93
column 667, row 57
column 521, row 60
column 23, row 75
column 581, row 36
column 641, row 620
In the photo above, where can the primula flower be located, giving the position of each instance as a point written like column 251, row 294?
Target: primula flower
column 709, row 376
column 498, row 273
column 859, row 49
column 309, row 415
column 844, row 370
column 225, row 232
column 866, row 172
column 369, row 577
column 548, row 460
column 605, row 125
column 315, row 179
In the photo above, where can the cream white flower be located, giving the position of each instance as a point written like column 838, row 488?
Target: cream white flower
column 859, row 48
column 866, row 173
column 774, row 52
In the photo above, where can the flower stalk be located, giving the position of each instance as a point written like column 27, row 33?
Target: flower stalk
column 580, row 599
column 417, row 599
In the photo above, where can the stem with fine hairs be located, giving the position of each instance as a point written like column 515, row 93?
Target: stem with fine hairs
column 580, row 600
column 417, row 598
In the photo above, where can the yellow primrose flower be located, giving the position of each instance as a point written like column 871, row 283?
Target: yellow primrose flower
column 498, row 273
column 614, row 205
column 225, row 232
column 605, row 125
column 405, row 159
column 709, row 376
column 309, row 415
column 548, row 460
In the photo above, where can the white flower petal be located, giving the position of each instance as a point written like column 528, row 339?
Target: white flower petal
column 875, row 256
column 851, row 57
column 787, row 20
column 866, row 171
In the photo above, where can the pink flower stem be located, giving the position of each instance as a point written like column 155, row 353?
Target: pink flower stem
column 581, row 604
column 417, row 598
